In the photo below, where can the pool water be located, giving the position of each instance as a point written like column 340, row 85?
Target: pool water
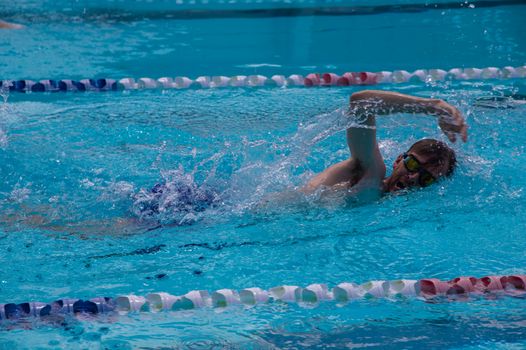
column 114, row 39
column 73, row 166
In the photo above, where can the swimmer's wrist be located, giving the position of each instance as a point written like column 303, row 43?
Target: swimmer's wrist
column 431, row 105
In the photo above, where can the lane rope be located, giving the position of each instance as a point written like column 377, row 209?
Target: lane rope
column 430, row 288
column 294, row 80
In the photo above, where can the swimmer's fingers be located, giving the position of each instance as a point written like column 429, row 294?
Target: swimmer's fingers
column 451, row 136
column 451, row 127
column 462, row 126
column 464, row 132
column 451, row 122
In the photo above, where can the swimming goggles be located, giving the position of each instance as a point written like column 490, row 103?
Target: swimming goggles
column 413, row 166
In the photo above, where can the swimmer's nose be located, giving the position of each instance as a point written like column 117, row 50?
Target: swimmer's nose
column 412, row 179
column 407, row 180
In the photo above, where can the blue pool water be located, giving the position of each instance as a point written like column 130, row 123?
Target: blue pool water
column 75, row 167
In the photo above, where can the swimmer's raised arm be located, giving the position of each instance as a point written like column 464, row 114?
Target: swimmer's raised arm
column 369, row 103
column 365, row 167
column 376, row 102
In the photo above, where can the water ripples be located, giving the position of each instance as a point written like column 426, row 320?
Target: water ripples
column 463, row 225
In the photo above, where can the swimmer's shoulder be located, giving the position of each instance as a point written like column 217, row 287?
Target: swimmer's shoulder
column 344, row 174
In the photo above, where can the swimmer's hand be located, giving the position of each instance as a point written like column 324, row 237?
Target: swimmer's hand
column 450, row 120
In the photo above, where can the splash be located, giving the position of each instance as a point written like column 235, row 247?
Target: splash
column 327, row 124
column 261, row 180
column 3, row 139
column 256, row 171
column 177, row 200
column 20, row 193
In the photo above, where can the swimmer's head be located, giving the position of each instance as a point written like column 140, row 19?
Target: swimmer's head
column 423, row 164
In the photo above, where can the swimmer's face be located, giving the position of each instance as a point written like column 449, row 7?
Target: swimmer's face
column 413, row 170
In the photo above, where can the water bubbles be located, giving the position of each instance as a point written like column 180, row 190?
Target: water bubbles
column 324, row 126
column 87, row 183
column 162, row 149
column 19, row 194
column 208, row 343
column 3, row 139
column 479, row 167
column 119, row 190
column 4, row 93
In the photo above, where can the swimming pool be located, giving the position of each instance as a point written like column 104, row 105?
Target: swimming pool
column 73, row 163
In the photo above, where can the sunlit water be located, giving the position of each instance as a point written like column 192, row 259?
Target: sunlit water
column 76, row 170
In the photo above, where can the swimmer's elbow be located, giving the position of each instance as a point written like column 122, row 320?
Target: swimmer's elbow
column 363, row 95
column 311, row 186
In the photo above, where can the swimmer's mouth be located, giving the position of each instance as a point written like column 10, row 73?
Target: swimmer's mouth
column 399, row 185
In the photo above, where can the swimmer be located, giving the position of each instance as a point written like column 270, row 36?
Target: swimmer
column 423, row 164
column 176, row 203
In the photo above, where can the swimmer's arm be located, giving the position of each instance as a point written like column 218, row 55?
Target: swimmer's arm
column 366, row 158
column 363, row 146
column 369, row 103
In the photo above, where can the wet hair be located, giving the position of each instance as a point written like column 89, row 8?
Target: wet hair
column 437, row 152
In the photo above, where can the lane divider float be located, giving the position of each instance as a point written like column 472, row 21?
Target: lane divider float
column 430, row 288
column 294, row 80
